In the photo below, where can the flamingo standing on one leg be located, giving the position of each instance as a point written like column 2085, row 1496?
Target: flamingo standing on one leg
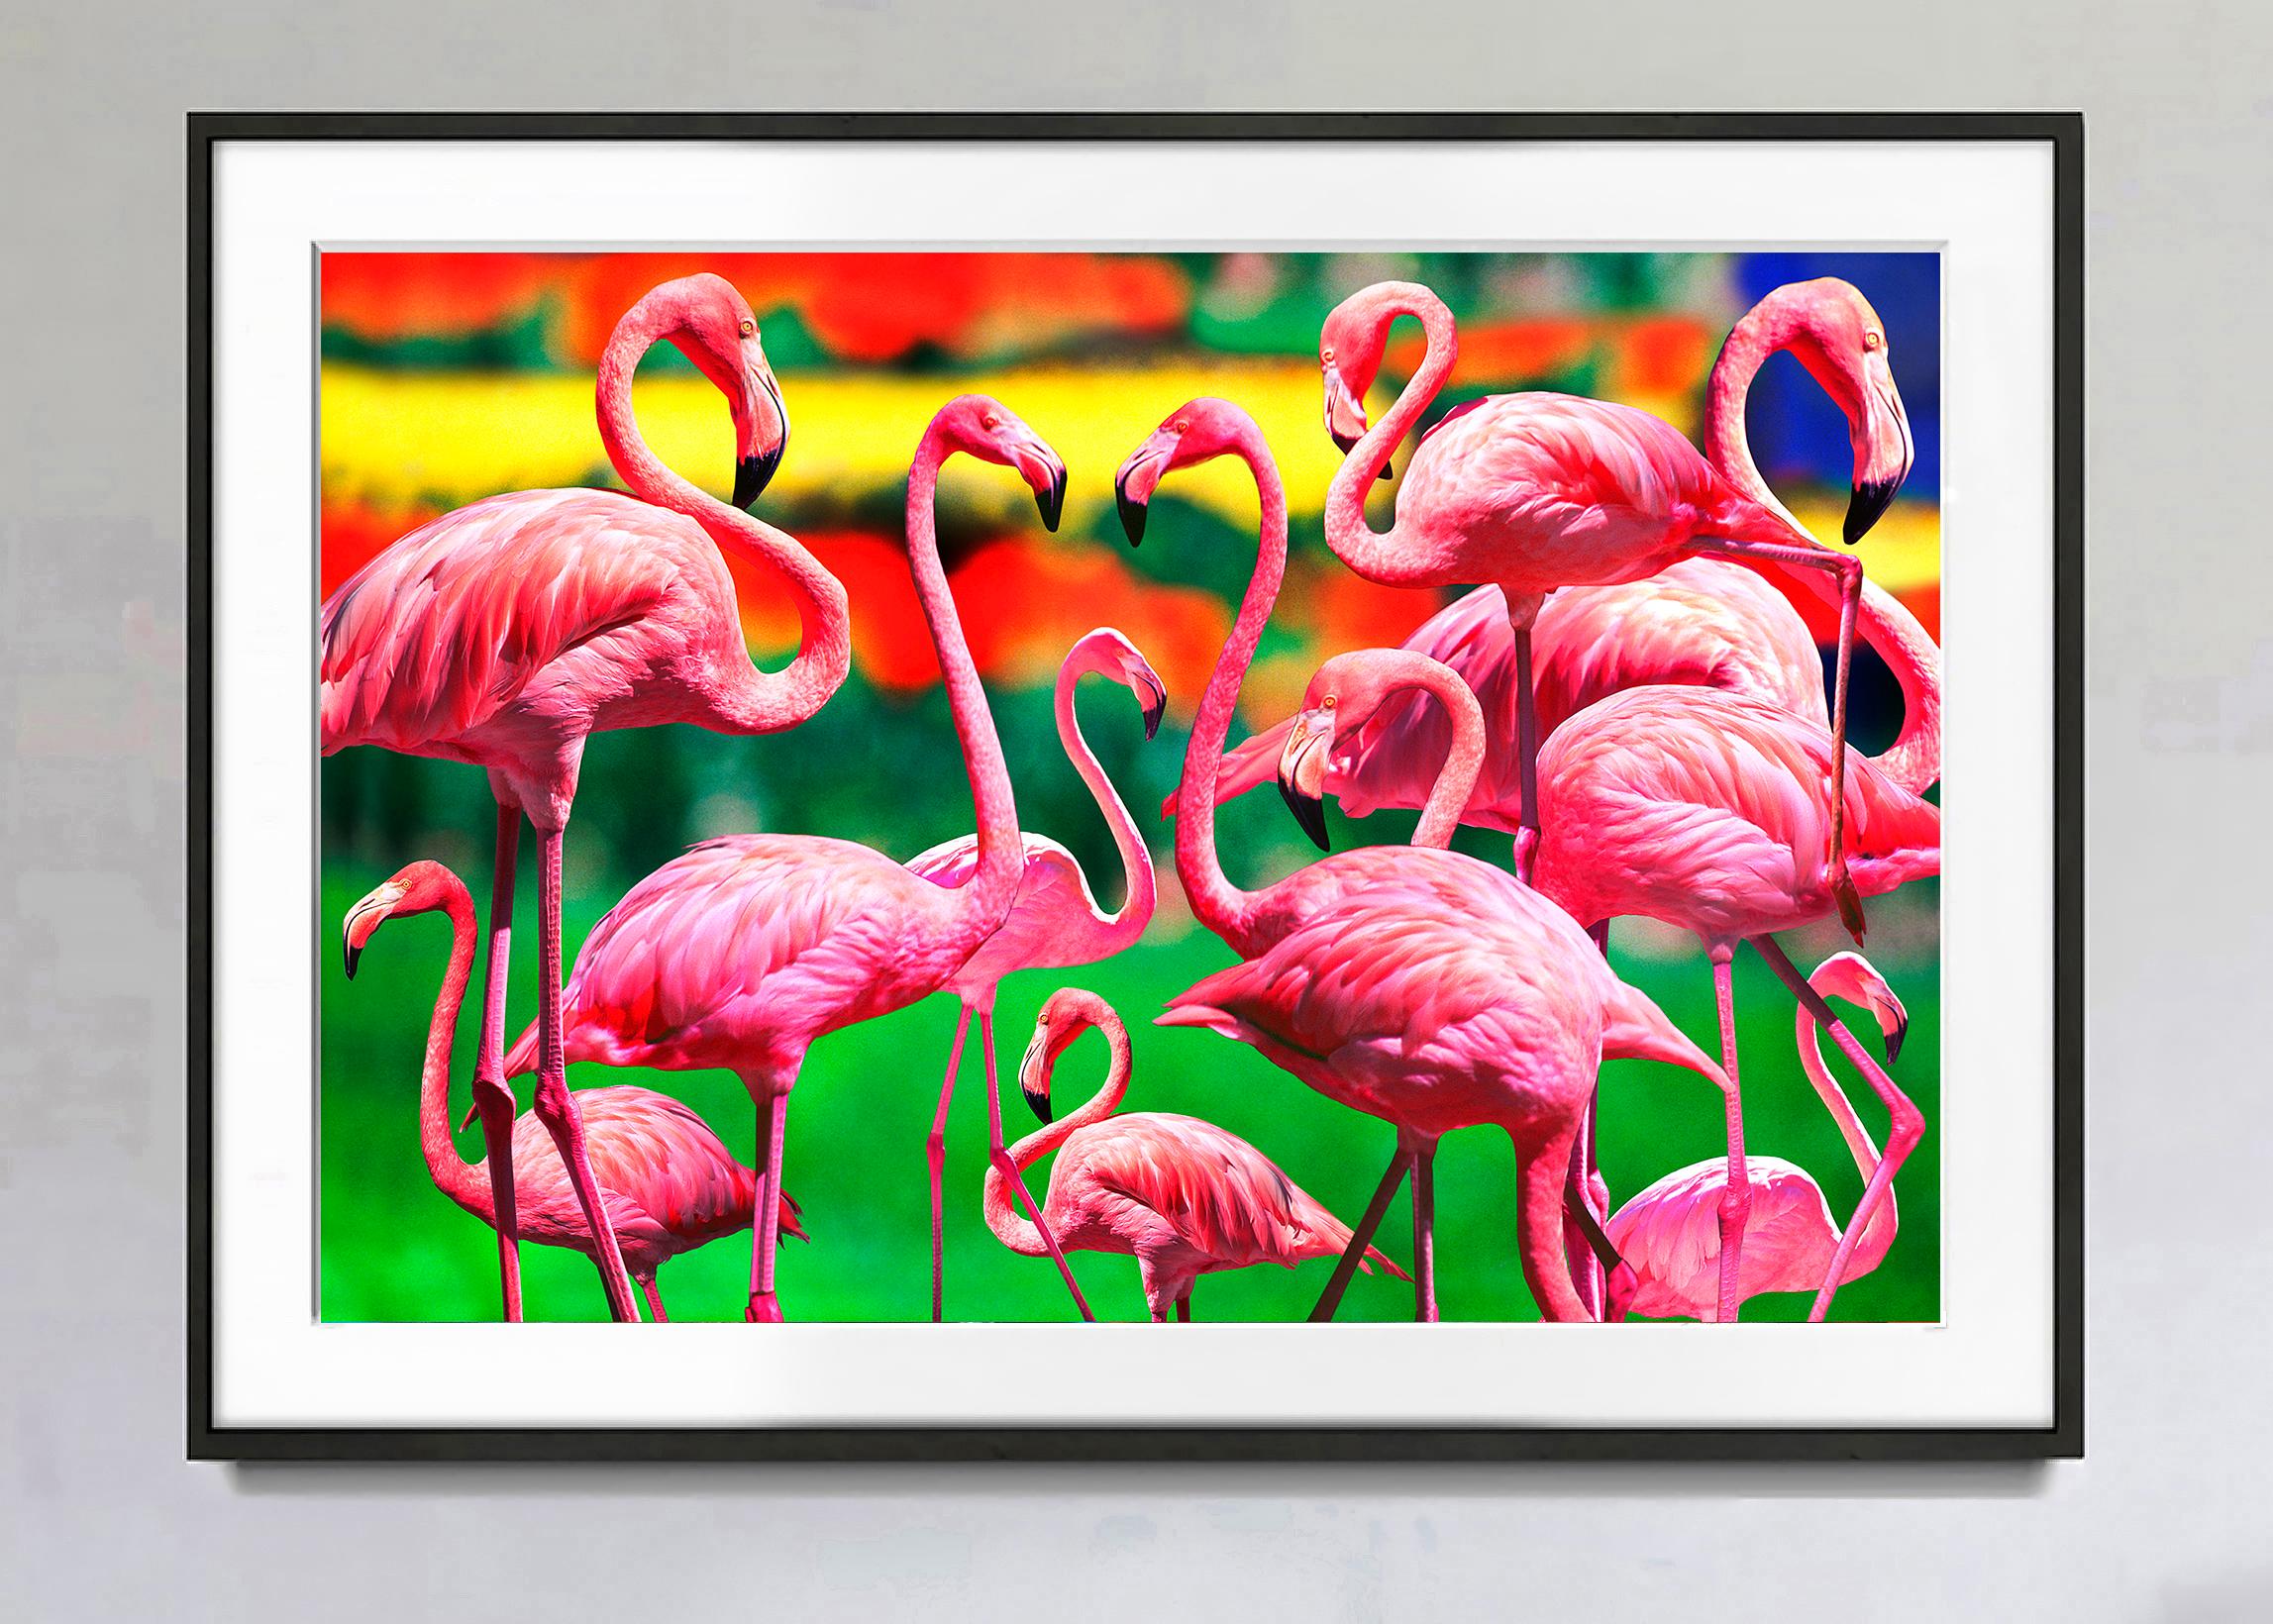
column 1534, row 491
column 744, row 950
column 506, row 633
column 1706, row 811
column 667, row 1183
column 1181, row 1196
column 1056, row 923
column 1669, row 1233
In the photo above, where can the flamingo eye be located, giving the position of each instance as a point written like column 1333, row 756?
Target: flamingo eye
column 990, row 422
column 1327, row 354
column 749, row 327
column 1872, row 339
column 1329, row 702
column 1182, row 425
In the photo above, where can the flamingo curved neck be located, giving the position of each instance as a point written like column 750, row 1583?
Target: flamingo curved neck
column 1140, row 889
column 1878, row 1233
column 461, row 1180
column 1448, row 797
column 1374, row 554
column 1218, row 905
column 982, row 901
column 754, row 701
column 1913, row 760
column 1014, row 1231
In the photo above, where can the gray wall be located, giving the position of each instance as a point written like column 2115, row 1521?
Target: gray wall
column 99, row 1516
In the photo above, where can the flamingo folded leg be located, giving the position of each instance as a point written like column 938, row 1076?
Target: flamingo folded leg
column 1907, row 1125
column 935, row 1152
column 556, row 1106
column 654, row 1299
column 1000, row 1154
column 1849, row 569
column 492, row 1095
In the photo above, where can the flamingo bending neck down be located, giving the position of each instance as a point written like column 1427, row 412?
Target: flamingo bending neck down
column 1396, row 907
column 1530, row 492
column 668, row 1182
column 1056, row 923
column 1704, row 622
column 506, row 633
column 1181, row 1196
column 1705, row 811
column 744, row 950
column 1670, row 1234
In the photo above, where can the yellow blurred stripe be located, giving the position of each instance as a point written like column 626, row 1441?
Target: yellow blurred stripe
column 396, row 440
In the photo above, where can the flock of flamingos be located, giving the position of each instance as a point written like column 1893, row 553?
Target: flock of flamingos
column 1624, row 696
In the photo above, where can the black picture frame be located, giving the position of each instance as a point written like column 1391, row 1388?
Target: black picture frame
column 2063, row 1438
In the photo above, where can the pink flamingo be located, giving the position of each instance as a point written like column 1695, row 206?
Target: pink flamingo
column 1705, row 622
column 1056, row 923
column 506, row 633
column 1669, row 1233
column 744, row 950
column 1534, row 491
column 667, row 1183
column 1181, row 1196
column 1248, row 922
column 1449, row 996
column 1706, row 811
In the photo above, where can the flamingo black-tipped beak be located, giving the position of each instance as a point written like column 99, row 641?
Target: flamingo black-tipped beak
column 353, row 953
column 1866, row 504
column 1052, row 501
column 1132, row 512
column 1345, row 442
column 1310, row 811
column 1155, row 705
column 752, row 475
column 1034, row 1075
column 1894, row 1036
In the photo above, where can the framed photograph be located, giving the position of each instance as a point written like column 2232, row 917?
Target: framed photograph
column 703, row 813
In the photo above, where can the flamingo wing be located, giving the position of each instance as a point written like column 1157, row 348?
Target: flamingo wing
column 1219, row 1195
column 454, row 623
column 744, row 950
column 1671, row 1234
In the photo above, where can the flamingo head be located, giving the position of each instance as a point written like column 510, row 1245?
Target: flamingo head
column 710, row 323
column 1065, row 1015
column 1842, row 343
column 1346, row 693
column 1851, row 977
column 421, row 888
column 1198, row 430
column 1350, row 346
column 1109, row 653
column 983, row 427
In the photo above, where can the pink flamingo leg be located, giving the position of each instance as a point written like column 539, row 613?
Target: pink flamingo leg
column 1849, row 569
column 1526, row 736
column 1588, row 1195
column 654, row 1300
column 1353, row 1253
column 1001, row 1157
column 765, row 1237
column 556, row 1106
column 1184, row 1309
column 492, row 1096
column 1424, row 1232
column 1737, row 1194
column 1907, row 1125
column 935, row 1151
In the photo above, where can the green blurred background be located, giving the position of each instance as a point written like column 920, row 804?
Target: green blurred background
column 449, row 376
